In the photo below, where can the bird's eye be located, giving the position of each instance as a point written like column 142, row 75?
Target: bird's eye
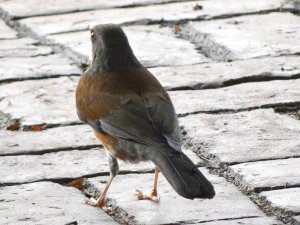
column 93, row 35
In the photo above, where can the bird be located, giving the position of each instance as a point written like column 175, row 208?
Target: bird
column 133, row 117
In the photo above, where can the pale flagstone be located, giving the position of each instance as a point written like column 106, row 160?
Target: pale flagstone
column 54, row 139
column 47, row 203
column 66, row 165
column 288, row 198
column 245, row 221
column 36, row 67
column 162, row 48
column 233, row 203
column 244, row 136
column 214, row 75
column 42, row 101
column 17, row 9
column 268, row 174
column 38, row 98
column 60, row 165
column 254, row 36
column 6, row 32
column 172, row 12
column 242, row 96
column 23, row 47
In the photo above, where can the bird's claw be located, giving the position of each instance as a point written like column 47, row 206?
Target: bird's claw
column 98, row 203
column 141, row 196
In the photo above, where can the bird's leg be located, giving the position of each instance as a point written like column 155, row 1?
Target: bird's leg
column 153, row 195
column 100, row 202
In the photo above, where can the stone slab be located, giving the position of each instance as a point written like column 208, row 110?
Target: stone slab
column 172, row 12
column 244, row 136
column 288, row 199
column 49, row 101
column 44, row 96
column 60, row 165
column 23, row 47
column 30, row 8
column 36, row 67
column 65, row 165
column 162, row 48
column 50, row 140
column 215, row 75
column 47, row 203
column 244, row 221
column 228, row 202
column 282, row 29
column 268, row 174
column 6, row 32
column 242, row 96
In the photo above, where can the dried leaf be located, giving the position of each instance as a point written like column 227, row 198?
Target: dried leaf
column 37, row 127
column 15, row 125
column 77, row 183
column 177, row 29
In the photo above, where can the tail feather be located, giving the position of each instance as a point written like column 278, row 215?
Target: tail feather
column 184, row 175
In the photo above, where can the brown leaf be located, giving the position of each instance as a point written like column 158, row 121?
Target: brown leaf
column 177, row 29
column 77, row 183
column 15, row 125
column 37, row 127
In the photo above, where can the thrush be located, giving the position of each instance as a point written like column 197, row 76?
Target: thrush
column 133, row 116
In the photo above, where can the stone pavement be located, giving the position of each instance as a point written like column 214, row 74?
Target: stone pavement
column 232, row 69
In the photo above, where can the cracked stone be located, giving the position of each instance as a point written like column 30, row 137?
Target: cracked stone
column 244, row 136
column 28, row 142
column 17, row 9
column 268, row 174
column 59, row 166
column 47, row 203
column 6, row 32
column 44, row 96
column 288, row 199
column 243, row 221
column 66, row 164
column 242, row 96
column 22, row 47
column 247, row 40
column 216, row 75
column 50, row 101
column 173, row 12
column 233, row 203
column 37, row 67
column 162, row 47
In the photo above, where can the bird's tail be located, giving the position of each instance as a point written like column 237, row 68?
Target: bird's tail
column 184, row 175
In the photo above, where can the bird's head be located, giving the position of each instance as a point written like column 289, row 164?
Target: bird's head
column 110, row 49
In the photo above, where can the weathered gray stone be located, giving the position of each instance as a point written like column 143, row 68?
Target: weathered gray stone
column 47, row 203
column 214, row 75
column 37, row 67
column 244, row 221
column 42, row 101
column 65, row 165
column 44, row 96
column 60, row 165
column 277, row 34
column 244, row 136
column 54, row 139
column 173, row 12
column 6, row 32
column 162, row 48
column 23, row 47
column 233, row 203
column 268, row 174
column 17, row 9
column 243, row 96
column 288, row 199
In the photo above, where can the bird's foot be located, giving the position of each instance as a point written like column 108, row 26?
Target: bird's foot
column 98, row 203
column 141, row 196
